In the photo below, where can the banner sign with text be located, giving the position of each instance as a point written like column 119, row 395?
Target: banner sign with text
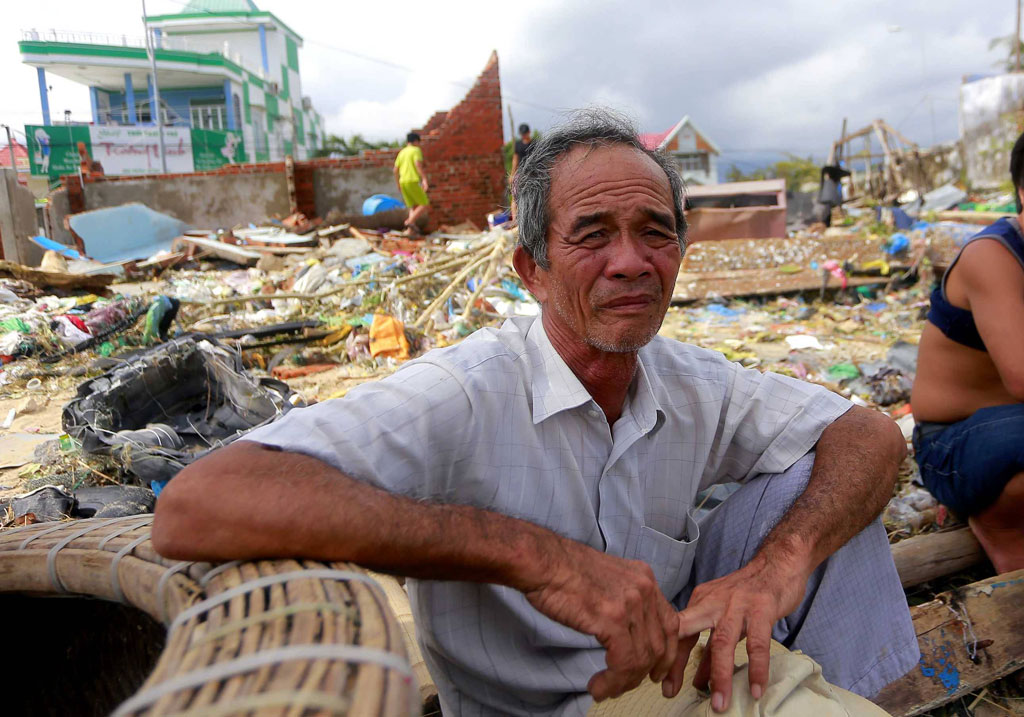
column 53, row 149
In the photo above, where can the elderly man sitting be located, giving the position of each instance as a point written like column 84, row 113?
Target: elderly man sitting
column 536, row 482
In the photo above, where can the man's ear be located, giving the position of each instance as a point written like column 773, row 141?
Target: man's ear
column 531, row 274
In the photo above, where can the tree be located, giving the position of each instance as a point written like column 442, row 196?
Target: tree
column 1010, row 63
column 338, row 146
column 795, row 170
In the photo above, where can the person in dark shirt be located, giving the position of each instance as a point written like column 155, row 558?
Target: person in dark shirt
column 968, row 394
column 523, row 146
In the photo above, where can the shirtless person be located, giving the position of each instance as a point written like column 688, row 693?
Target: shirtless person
column 967, row 398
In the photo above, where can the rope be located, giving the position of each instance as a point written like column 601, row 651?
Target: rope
column 51, row 557
column 214, row 572
column 283, row 611
column 115, row 579
column 162, row 585
column 127, row 529
column 348, row 653
column 41, row 533
column 204, row 606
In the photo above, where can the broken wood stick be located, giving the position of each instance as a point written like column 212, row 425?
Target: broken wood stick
column 492, row 268
column 969, row 637
column 933, row 555
column 450, row 289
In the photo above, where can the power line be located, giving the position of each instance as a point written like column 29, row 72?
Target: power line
column 389, row 63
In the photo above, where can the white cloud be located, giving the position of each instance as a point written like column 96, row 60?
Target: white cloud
column 392, row 118
column 751, row 74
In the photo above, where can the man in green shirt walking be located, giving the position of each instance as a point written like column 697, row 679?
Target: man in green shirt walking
column 412, row 181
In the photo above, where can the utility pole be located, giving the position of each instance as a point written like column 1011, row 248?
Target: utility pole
column 10, row 149
column 155, row 110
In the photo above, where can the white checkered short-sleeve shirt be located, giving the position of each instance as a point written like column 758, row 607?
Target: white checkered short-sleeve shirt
column 500, row 422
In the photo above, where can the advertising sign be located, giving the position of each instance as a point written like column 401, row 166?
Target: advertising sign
column 136, row 150
column 53, row 149
column 211, row 150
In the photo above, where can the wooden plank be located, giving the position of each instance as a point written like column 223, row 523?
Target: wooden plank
column 757, row 282
column 58, row 280
column 231, row 252
column 933, row 555
column 969, row 637
column 959, row 215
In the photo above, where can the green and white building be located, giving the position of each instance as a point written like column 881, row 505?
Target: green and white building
column 229, row 85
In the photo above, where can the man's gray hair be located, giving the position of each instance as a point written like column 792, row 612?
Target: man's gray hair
column 531, row 186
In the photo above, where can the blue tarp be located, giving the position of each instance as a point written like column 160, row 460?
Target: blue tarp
column 130, row 231
column 51, row 245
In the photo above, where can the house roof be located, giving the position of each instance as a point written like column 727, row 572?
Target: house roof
column 658, row 140
column 758, row 186
column 20, row 155
column 216, row 6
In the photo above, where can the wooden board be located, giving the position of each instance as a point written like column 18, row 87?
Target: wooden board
column 933, row 555
column 969, row 637
column 231, row 252
column 755, row 282
column 95, row 283
column 971, row 217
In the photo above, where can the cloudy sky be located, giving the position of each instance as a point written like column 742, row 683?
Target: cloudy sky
column 758, row 77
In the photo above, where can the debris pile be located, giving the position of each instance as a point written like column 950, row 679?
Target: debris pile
column 193, row 347
column 220, row 331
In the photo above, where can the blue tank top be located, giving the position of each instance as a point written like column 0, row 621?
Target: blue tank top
column 958, row 324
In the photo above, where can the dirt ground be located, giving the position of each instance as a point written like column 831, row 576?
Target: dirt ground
column 37, row 414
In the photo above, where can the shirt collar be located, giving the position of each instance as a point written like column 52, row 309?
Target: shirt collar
column 556, row 388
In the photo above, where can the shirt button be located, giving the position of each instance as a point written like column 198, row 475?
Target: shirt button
column 594, row 412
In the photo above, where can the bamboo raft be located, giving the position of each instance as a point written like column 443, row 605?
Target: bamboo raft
column 269, row 637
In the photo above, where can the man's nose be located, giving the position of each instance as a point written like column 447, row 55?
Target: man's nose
column 630, row 257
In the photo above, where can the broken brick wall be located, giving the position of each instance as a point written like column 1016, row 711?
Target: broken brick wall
column 461, row 148
column 461, row 153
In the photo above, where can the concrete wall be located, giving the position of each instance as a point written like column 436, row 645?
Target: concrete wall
column 204, row 201
column 461, row 147
column 17, row 220
column 344, row 188
column 58, row 208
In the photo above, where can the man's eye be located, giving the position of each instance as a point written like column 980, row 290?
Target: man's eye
column 658, row 234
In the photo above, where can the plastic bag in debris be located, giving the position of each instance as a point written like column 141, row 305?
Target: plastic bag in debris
column 914, row 509
column 167, row 406
column 43, row 505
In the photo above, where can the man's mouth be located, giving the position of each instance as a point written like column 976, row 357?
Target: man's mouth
column 630, row 302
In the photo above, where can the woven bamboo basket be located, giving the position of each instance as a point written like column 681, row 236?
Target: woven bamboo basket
column 272, row 637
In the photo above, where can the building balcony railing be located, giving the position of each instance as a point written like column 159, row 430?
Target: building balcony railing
column 163, row 43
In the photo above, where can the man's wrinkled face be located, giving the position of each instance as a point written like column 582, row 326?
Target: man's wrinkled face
column 613, row 251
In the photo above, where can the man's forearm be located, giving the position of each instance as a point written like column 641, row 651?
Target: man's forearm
column 856, row 463
column 246, row 501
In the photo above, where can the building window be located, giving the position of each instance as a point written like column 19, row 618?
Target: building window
column 259, row 133
column 208, row 115
column 142, row 112
column 693, row 162
column 237, row 104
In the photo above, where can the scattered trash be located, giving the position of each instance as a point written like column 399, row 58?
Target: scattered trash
column 42, row 505
column 802, row 341
column 164, row 407
column 113, row 501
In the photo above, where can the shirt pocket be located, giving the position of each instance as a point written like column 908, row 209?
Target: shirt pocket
column 670, row 558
